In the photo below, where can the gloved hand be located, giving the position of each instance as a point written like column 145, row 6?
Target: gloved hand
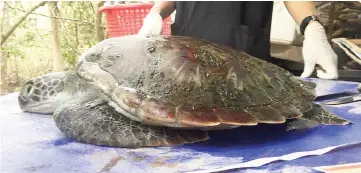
column 152, row 24
column 317, row 50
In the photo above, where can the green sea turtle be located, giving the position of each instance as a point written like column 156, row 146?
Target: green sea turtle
column 136, row 91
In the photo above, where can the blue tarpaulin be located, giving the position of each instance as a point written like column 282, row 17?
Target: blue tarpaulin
column 32, row 143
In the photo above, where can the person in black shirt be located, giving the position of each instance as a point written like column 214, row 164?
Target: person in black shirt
column 245, row 26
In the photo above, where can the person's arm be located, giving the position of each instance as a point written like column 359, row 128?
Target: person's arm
column 300, row 9
column 163, row 8
column 153, row 22
column 316, row 48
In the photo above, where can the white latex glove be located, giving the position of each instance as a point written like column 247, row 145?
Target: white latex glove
column 317, row 50
column 152, row 24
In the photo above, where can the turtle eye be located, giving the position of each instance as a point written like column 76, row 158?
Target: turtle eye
column 28, row 90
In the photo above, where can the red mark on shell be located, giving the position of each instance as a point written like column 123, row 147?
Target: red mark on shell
column 186, row 51
column 171, row 115
column 190, row 54
column 133, row 103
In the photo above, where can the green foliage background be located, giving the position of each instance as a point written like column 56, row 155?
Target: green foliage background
column 28, row 49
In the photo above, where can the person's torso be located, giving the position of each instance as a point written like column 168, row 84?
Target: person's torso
column 242, row 25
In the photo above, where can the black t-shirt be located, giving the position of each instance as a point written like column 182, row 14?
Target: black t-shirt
column 242, row 25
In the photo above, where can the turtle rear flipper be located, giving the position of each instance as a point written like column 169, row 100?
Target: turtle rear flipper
column 308, row 85
column 315, row 117
column 321, row 116
column 95, row 122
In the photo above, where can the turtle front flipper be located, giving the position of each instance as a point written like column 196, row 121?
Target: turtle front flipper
column 315, row 117
column 95, row 122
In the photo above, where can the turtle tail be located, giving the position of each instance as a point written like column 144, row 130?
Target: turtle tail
column 95, row 122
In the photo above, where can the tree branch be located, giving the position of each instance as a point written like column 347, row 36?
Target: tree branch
column 98, row 20
column 62, row 27
column 12, row 29
column 55, row 17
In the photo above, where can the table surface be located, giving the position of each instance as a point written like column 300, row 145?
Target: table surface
column 32, row 143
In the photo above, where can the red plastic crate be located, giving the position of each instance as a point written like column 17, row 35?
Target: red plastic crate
column 127, row 19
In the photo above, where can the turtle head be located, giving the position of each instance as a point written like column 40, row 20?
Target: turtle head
column 44, row 93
